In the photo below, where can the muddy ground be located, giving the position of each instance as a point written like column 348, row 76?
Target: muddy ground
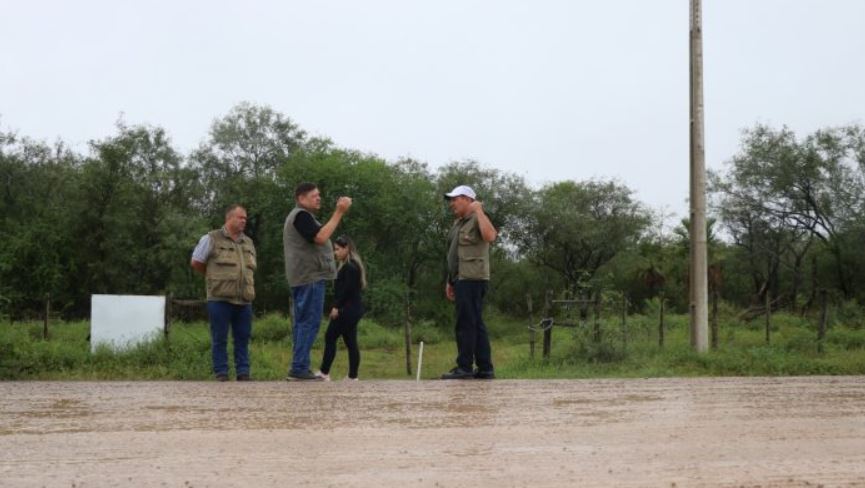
column 652, row 432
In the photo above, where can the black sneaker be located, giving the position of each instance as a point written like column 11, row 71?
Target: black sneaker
column 485, row 375
column 243, row 377
column 221, row 377
column 458, row 374
column 303, row 376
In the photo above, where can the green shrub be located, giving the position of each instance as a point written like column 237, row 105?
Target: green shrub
column 386, row 301
column 800, row 340
column 372, row 335
column 849, row 314
column 846, row 339
column 271, row 328
column 428, row 332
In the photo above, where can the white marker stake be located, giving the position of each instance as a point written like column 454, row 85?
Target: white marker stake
column 419, row 360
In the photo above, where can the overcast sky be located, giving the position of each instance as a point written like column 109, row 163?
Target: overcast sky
column 550, row 90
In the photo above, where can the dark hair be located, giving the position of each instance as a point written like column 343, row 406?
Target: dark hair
column 232, row 208
column 303, row 189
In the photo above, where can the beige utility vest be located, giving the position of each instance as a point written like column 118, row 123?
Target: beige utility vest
column 230, row 268
column 472, row 249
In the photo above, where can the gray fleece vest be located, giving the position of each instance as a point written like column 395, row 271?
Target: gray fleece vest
column 305, row 262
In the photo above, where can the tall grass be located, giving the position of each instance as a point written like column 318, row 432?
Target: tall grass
column 632, row 351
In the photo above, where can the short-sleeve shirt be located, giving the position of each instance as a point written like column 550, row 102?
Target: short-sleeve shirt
column 202, row 250
column 306, row 226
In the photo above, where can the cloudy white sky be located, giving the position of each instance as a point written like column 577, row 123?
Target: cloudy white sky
column 550, row 90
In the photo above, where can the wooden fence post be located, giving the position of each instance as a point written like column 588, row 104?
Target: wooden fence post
column 714, row 322
column 548, row 333
column 531, row 326
column 596, row 306
column 45, row 319
column 408, row 332
column 661, row 323
column 768, row 301
column 167, row 326
column 624, row 322
column 821, row 330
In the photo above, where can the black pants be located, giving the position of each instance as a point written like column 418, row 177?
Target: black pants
column 473, row 343
column 344, row 326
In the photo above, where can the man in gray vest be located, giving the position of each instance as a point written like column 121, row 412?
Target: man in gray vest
column 226, row 258
column 468, row 274
column 309, row 262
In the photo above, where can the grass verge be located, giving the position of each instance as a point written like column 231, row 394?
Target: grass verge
column 632, row 351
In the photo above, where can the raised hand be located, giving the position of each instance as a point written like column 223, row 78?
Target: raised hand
column 343, row 204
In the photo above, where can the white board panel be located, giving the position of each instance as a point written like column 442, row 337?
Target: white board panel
column 121, row 321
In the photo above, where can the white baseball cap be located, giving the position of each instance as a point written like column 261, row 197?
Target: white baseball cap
column 462, row 190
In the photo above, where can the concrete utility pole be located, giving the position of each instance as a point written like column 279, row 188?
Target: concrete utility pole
column 699, row 307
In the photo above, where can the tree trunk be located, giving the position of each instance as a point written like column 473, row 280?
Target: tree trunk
column 821, row 330
column 797, row 282
column 813, row 295
column 843, row 279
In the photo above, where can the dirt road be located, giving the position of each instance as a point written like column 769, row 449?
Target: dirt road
column 655, row 432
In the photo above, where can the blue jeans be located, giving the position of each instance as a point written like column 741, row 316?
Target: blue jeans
column 239, row 318
column 307, row 311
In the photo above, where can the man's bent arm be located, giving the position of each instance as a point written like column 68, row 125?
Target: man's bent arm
column 198, row 266
column 488, row 232
column 329, row 228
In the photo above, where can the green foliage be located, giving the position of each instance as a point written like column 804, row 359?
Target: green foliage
column 850, row 314
column 632, row 352
column 272, row 328
column 428, row 333
column 388, row 299
column 782, row 193
column 124, row 217
column 574, row 228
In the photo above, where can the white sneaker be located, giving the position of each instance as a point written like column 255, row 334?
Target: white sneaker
column 324, row 377
column 349, row 379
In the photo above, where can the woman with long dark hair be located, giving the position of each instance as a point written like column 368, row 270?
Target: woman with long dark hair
column 347, row 308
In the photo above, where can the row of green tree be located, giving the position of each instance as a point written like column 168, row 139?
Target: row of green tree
column 789, row 219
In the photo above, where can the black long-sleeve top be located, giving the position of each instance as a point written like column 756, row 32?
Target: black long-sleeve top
column 347, row 290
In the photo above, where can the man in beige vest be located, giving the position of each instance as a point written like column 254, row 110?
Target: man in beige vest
column 226, row 258
column 468, row 275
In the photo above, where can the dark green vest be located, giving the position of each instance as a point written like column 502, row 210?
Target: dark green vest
column 473, row 252
column 230, row 268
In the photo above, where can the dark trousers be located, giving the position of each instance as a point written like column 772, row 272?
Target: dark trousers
column 238, row 318
column 344, row 326
column 473, row 343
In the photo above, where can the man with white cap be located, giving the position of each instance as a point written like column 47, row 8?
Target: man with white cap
column 468, row 276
